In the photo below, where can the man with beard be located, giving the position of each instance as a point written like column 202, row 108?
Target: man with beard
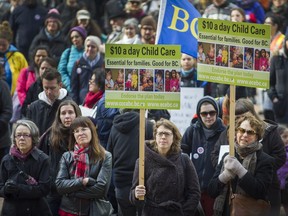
column 148, row 30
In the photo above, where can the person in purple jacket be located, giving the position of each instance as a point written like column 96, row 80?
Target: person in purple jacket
column 283, row 171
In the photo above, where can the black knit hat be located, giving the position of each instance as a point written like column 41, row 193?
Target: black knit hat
column 209, row 100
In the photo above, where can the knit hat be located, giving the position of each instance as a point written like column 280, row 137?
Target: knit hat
column 6, row 32
column 83, row 14
column 94, row 39
column 148, row 21
column 209, row 100
column 115, row 9
column 80, row 30
column 53, row 14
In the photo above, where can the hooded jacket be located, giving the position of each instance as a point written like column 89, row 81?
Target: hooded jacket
column 42, row 112
column 123, row 143
column 195, row 142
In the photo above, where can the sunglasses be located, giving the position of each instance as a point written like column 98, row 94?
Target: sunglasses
column 249, row 132
column 210, row 113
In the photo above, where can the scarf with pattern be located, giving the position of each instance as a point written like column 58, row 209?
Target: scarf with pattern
column 80, row 167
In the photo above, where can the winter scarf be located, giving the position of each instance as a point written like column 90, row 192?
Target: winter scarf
column 80, row 167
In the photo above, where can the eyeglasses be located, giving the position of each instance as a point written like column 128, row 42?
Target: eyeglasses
column 147, row 28
column 166, row 134
column 210, row 113
column 249, row 132
column 25, row 136
column 80, row 130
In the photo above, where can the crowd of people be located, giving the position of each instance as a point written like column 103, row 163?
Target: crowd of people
column 57, row 161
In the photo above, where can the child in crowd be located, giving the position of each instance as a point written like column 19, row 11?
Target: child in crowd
column 119, row 83
column 174, row 82
column 167, row 81
column 159, row 84
column 135, row 80
column 109, row 83
column 283, row 171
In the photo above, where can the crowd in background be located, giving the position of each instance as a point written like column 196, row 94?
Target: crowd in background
column 52, row 56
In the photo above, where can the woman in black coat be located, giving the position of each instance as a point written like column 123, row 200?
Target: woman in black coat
column 250, row 171
column 171, row 183
column 25, row 177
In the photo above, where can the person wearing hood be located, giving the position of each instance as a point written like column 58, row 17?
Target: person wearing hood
column 42, row 111
column 123, row 143
column 278, row 92
column 199, row 140
column 11, row 59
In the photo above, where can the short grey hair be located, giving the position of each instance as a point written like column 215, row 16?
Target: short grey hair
column 33, row 130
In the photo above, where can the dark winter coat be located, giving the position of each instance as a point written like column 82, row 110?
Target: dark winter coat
column 104, row 120
column 56, row 45
column 76, row 197
column 278, row 87
column 5, row 114
column 32, row 95
column 54, row 157
column 30, row 199
column 26, row 22
column 172, row 188
column 81, row 74
column 123, row 143
column 42, row 113
column 195, row 142
column 255, row 185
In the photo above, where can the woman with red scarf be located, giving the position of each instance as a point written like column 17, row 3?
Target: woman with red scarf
column 96, row 88
column 84, row 171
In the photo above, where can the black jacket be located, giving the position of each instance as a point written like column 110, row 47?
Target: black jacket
column 123, row 143
column 56, row 45
column 32, row 95
column 5, row 114
column 255, row 185
column 170, row 182
column 26, row 22
column 195, row 142
column 30, row 199
column 76, row 197
column 42, row 113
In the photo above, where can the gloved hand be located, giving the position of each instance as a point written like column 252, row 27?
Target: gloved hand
column 233, row 165
column 11, row 187
column 226, row 176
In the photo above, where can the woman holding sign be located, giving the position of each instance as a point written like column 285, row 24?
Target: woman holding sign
column 250, row 171
column 171, row 182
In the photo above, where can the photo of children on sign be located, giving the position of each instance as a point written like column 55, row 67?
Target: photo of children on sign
column 232, row 57
column 142, row 80
column 236, row 57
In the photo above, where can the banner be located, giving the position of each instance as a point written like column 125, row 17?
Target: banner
column 177, row 24
column 142, row 76
column 234, row 53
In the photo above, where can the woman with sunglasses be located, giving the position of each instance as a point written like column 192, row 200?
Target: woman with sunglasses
column 25, row 177
column 272, row 145
column 199, row 140
column 250, row 171
column 171, row 184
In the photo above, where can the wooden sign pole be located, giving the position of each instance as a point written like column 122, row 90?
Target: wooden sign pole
column 141, row 148
column 232, row 120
